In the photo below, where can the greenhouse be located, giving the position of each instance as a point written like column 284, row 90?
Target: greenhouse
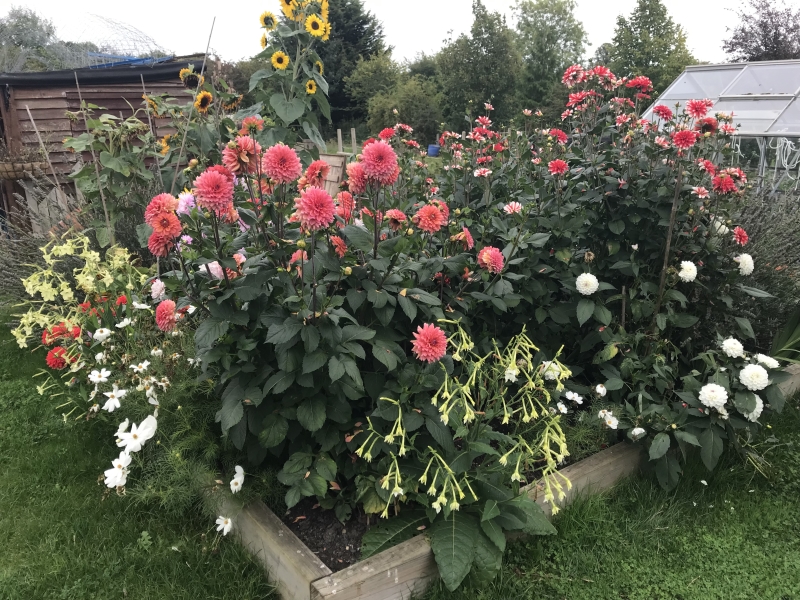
column 763, row 98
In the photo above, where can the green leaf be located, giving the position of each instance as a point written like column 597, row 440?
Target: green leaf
column 274, row 431
column 279, row 382
column 231, row 412
column 711, row 446
column 602, row 314
column 606, row 354
column 536, row 522
column 614, row 383
column 668, row 471
column 324, row 107
column 115, row 164
column 209, row 332
column 495, row 533
column 256, row 77
column 453, row 544
column 683, row 320
column 326, row 467
column 659, row 446
column 488, row 558
column 315, row 360
column 616, row 226
column 103, row 235
column 143, row 232
column 287, row 110
column 775, row 397
column 745, row 327
column 387, row 533
column 408, row 306
column 538, row 240
column 359, row 237
column 335, row 368
column 585, row 310
column 382, row 351
column 490, row 510
column 310, row 336
column 661, row 321
column 755, row 292
column 283, row 332
column 564, row 255
column 356, row 332
column 314, row 135
column 311, row 413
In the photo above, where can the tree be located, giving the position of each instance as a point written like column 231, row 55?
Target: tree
column 355, row 34
column 418, row 103
column 481, row 67
column 550, row 39
column 24, row 37
column 371, row 76
column 765, row 31
column 650, row 43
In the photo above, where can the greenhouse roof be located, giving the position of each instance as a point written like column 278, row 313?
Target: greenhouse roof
column 763, row 96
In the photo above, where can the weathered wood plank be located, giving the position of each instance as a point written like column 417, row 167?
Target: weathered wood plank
column 19, row 105
column 792, row 385
column 290, row 564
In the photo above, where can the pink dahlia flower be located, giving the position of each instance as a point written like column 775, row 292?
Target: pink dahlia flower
column 315, row 209
column 214, row 191
column 356, row 178
column 281, row 164
column 165, row 315
column 429, row 343
column 491, row 259
column 380, row 162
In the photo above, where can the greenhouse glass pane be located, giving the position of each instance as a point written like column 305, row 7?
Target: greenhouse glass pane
column 767, row 79
column 714, row 82
column 753, row 116
column 685, row 86
column 789, row 121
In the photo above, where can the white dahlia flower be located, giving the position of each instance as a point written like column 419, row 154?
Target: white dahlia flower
column 768, row 361
column 746, row 264
column 713, row 395
column 688, row 271
column 587, row 284
column 733, row 348
column 754, row 377
column 753, row 416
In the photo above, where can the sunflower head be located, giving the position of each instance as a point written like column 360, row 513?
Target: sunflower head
column 289, row 8
column 263, row 40
column 191, row 79
column 327, row 35
column 280, row 60
column 319, row 67
column 315, row 26
column 164, row 143
column 151, row 104
column 268, row 21
column 203, row 101
column 311, row 87
column 233, row 104
column 324, row 10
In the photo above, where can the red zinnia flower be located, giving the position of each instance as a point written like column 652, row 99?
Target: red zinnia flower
column 396, row 218
column 723, row 184
column 281, row 164
column 559, row 135
column 317, row 172
column 339, row 245
column 55, row 359
column 163, row 203
column 165, row 315
column 697, row 109
column 740, row 236
column 663, row 112
column 684, row 139
column 380, row 162
column 387, row 134
column 557, row 167
column 241, row 155
column 429, row 343
column 315, row 209
column 122, row 300
column 166, row 225
column 160, row 245
column 213, row 191
column 491, row 259
column 356, row 178
column 429, row 218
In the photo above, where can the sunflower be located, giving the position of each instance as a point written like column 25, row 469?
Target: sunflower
column 280, row 60
column 151, row 104
column 324, row 10
column 327, row 34
column 268, row 21
column 315, row 26
column 263, row 40
column 233, row 104
column 164, row 143
column 203, row 101
column 289, row 7
column 319, row 67
column 190, row 79
column 311, row 87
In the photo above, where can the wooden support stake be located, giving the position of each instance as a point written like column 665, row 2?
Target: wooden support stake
column 353, row 139
column 44, row 150
column 152, row 129
column 339, row 140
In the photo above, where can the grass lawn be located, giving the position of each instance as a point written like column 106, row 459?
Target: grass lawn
column 64, row 538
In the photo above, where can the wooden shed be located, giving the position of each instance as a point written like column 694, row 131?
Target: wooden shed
column 49, row 95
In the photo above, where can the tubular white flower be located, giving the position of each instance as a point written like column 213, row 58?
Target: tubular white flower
column 587, row 284
column 768, row 361
column 713, row 395
column 733, row 348
column 746, row 264
column 754, row 377
column 688, row 272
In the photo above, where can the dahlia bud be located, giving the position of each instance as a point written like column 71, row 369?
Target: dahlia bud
column 691, row 211
column 410, row 231
column 588, row 257
column 193, row 163
column 347, row 271
column 301, row 243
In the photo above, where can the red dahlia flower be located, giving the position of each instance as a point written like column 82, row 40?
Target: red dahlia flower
column 697, row 109
column 641, row 83
column 706, row 125
column 663, row 112
column 724, row 184
column 573, row 76
column 57, row 358
column 557, row 167
column 684, row 139
column 429, row 343
column 387, row 134
column 740, row 236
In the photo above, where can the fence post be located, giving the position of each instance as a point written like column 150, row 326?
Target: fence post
column 339, row 140
column 353, row 139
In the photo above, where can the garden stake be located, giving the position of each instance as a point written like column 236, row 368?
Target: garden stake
column 672, row 216
column 94, row 160
column 153, row 130
column 44, row 150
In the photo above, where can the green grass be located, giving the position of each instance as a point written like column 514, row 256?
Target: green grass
column 64, row 538
column 736, row 538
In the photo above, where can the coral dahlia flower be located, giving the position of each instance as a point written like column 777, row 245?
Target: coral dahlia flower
column 251, row 125
column 380, row 162
column 663, row 112
column 697, row 109
column 213, row 191
column 557, row 167
column 241, row 155
column 222, row 171
column 491, row 259
column 465, row 237
column 684, row 139
column 163, row 203
column 345, row 204
column 316, row 173
column 740, row 236
column 166, row 225
column 356, row 178
column 315, row 209
column 160, row 245
column 396, row 218
column 429, row 218
column 339, row 246
column 429, row 343
column 165, row 315
column 281, row 164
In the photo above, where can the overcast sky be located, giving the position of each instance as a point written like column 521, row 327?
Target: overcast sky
column 411, row 26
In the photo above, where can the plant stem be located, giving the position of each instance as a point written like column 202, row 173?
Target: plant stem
column 673, row 214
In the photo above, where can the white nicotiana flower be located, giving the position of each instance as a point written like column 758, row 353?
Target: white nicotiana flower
column 733, row 348
column 511, row 375
column 601, row 390
column 102, row 334
column 719, row 227
column 754, row 377
column 100, row 376
column 122, row 324
column 238, row 479
column 768, row 361
column 224, row 524
column 117, row 475
column 637, row 433
column 140, row 367
column 157, row 289
column 134, row 439
column 753, row 416
column 688, row 272
column 114, row 396
column 562, row 408
column 634, row 247
column 713, row 395
column 397, row 491
column 550, row 370
column 746, row 264
column 157, row 352
column 587, row 284
column 140, row 306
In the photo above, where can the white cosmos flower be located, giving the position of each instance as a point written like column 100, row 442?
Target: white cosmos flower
column 601, row 390
column 100, row 376
column 733, row 348
column 753, row 416
column 134, row 439
column 688, row 272
column 157, row 352
column 511, row 375
column 611, row 421
column 140, row 306
column 224, row 524
column 122, row 324
column 637, row 432
column 238, row 479
column 562, row 408
column 141, row 367
column 117, row 475
column 746, row 264
column 587, row 284
column 123, row 427
column 713, row 395
column 754, row 377
column 102, row 334
column 768, row 361
column 100, row 358
column 114, row 396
